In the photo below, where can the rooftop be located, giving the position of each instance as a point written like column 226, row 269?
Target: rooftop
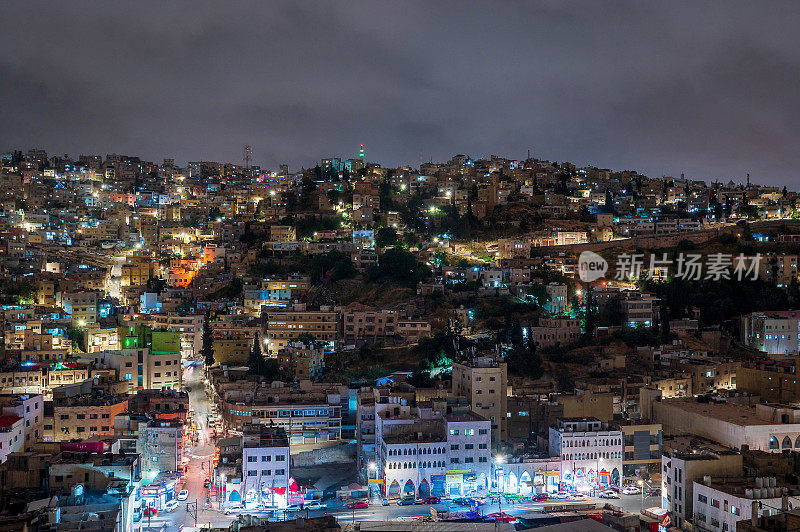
column 459, row 417
column 8, row 421
column 771, row 487
column 723, row 411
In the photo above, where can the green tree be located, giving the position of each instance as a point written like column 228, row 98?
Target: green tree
column 537, row 294
column 399, row 266
column 386, row 236
column 611, row 314
column 208, row 343
column 78, row 338
column 525, row 361
column 256, row 360
column 308, row 340
column 155, row 284
column 332, row 266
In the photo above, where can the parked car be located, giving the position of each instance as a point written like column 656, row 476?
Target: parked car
column 609, row 494
column 183, row 495
column 234, row 508
column 461, row 501
column 561, row 495
column 316, row 506
column 406, row 501
column 540, row 497
column 654, row 492
column 384, row 502
column 171, row 506
column 293, row 508
column 431, row 500
column 358, row 504
column 631, row 490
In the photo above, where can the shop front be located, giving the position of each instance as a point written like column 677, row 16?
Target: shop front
column 158, row 493
column 460, row 482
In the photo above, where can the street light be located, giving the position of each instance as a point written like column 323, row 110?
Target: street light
column 499, row 459
column 641, row 484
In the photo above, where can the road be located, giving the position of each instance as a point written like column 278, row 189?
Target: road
column 114, row 284
column 198, row 467
column 376, row 512
column 629, row 503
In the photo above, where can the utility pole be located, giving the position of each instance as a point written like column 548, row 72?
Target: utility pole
column 188, row 509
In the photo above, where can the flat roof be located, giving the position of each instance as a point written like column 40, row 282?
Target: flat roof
column 730, row 413
column 457, row 417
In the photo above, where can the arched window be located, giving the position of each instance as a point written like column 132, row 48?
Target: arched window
column 787, row 443
column 773, row 443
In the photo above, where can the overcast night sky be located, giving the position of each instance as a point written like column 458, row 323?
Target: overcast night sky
column 711, row 89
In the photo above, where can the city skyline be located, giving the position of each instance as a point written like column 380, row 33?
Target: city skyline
column 700, row 90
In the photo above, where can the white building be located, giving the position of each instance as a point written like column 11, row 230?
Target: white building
column 767, row 427
column 30, row 407
column 680, row 470
column 591, row 453
column 265, row 465
column 426, row 453
column 12, row 438
column 721, row 502
column 775, row 333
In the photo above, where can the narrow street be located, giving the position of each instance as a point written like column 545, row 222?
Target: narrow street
column 198, row 468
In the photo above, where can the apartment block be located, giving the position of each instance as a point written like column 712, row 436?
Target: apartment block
column 265, row 462
column 591, row 452
column 285, row 326
column 483, row 381
column 305, row 362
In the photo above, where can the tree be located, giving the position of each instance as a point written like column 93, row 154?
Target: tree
column 256, row 360
column 263, row 367
column 308, row 340
column 78, row 338
column 400, row 266
column 537, row 294
column 611, row 314
column 332, row 266
column 208, row 344
column 155, row 284
column 386, row 236
column 525, row 361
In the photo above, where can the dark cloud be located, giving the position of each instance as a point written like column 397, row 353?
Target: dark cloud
column 707, row 88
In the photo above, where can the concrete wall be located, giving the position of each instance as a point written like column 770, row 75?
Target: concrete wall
column 344, row 453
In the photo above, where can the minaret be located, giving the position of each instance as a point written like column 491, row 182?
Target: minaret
column 361, row 152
